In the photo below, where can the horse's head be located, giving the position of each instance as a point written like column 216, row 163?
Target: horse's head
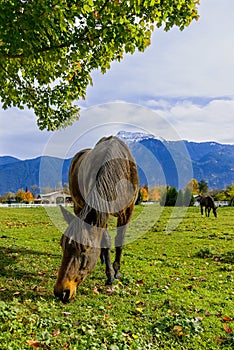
column 78, row 261
column 80, row 255
column 199, row 198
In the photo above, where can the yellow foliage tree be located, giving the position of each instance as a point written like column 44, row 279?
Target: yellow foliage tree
column 144, row 191
column 28, row 197
column 22, row 196
column 192, row 186
column 156, row 193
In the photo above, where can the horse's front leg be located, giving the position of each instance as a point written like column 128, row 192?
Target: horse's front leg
column 105, row 257
column 119, row 242
column 120, row 237
column 201, row 209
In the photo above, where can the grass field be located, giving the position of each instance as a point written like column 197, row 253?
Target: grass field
column 176, row 288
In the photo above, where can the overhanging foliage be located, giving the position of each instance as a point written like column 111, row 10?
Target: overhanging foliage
column 48, row 48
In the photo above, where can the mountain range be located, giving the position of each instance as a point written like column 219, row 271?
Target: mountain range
column 159, row 162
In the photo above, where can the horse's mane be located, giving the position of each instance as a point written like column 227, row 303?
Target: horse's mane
column 110, row 180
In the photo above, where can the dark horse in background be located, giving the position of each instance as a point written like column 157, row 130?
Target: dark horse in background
column 208, row 203
column 103, row 181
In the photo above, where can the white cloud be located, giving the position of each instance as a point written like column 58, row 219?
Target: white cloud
column 19, row 134
column 210, row 122
column 175, row 121
column 198, row 61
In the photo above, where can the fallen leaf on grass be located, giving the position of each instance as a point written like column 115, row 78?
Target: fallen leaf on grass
column 220, row 340
column 198, row 319
column 33, row 343
column 178, row 330
column 227, row 329
column 134, row 336
column 227, row 319
column 34, row 288
column 55, row 333
column 66, row 313
column 110, row 291
column 36, row 345
column 95, row 290
column 207, row 313
column 141, row 282
column 139, row 309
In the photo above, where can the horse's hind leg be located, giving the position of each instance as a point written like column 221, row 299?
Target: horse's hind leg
column 119, row 239
column 105, row 257
column 208, row 211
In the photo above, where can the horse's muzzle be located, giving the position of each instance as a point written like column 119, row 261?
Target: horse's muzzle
column 64, row 295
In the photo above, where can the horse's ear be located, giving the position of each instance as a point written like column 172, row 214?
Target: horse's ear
column 69, row 217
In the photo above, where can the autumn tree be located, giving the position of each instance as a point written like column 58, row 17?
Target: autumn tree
column 19, row 196
column 24, row 196
column 144, row 191
column 49, row 48
column 28, row 197
column 192, row 186
column 155, row 193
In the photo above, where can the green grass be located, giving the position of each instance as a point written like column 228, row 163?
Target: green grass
column 176, row 288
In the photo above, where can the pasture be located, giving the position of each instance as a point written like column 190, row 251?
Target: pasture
column 175, row 292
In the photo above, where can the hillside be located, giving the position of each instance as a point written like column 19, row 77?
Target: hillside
column 43, row 172
column 159, row 162
column 8, row 160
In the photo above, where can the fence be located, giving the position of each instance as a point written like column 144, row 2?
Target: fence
column 24, row 205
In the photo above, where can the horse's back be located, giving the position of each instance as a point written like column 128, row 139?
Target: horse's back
column 105, row 177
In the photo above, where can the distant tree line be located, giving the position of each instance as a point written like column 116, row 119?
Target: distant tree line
column 21, row 196
column 165, row 195
column 28, row 196
column 170, row 196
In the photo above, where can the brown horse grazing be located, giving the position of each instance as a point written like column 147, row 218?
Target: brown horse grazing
column 103, row 181
column 208, row 203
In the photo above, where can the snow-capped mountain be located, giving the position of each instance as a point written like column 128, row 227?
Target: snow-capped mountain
column 158, row 162
column 128, row 136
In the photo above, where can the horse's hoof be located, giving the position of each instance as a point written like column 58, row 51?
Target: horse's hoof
column 117, row 275
column 109, row 282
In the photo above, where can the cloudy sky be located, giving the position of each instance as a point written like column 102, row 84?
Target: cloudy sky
column 181, row 87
